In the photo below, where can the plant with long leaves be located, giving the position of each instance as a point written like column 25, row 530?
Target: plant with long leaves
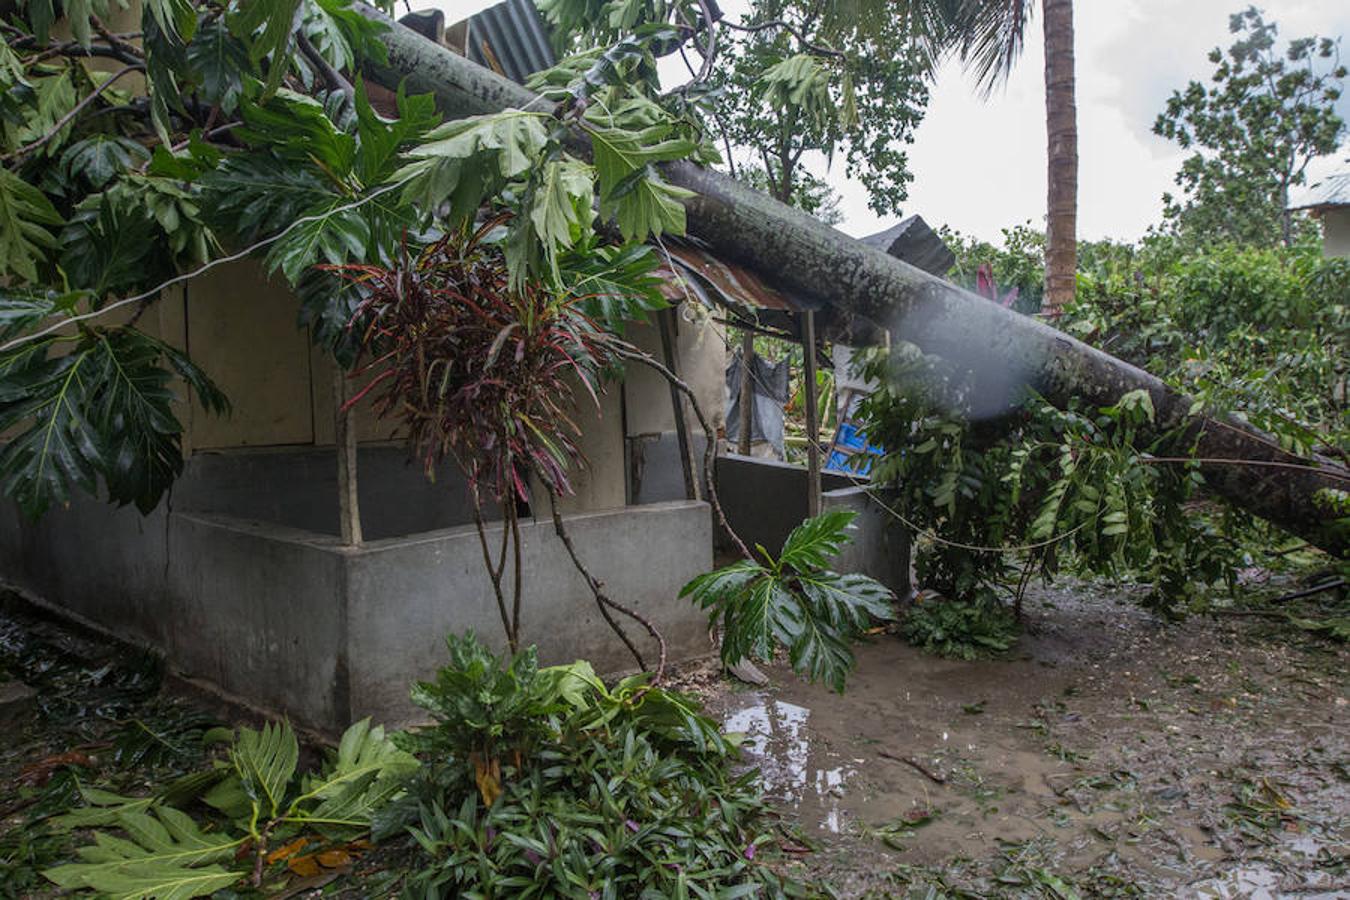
column 484, row 372
column 795, row 602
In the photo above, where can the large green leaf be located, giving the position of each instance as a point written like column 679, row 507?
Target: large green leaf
column 100, row 158
column 176, row 18
column 849, row 603
column 104, row 808
column 297, row 129
column 25, row 217
column 55, row 448
column 105, row 409
column 614, row 285
column 813, row 544
column 219, row 62
column 167, row 857
column 265, row 762
column 631, row 188
column 380, row 139
column 463, row 161
column 366, row 773
column 269, row 25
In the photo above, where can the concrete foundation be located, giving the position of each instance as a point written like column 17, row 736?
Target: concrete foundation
column 764, row 500
column 241, row 599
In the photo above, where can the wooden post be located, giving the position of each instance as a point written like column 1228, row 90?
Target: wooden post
column 664, row 319
column 747, row 399
column 812, row 413
column 344, row 436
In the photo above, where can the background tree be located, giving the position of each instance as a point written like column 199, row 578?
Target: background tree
column 791, row 81
column 988, row 36
column 1265, row 116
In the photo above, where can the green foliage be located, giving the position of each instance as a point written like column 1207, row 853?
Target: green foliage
column 1019, row 263
column 1064, row 487
column 795, row 602
column 165, row 854
column 841, row 92
column 586, row 791
column 90, row 408
column 1264, row 116
column 147, row 847
column 1259, row 333
column 26, row 216
column 960, row 629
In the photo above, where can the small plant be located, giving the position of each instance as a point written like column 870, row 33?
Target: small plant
column 795, row 602
column 266, row 811
column 543, row 782
column 960, row 629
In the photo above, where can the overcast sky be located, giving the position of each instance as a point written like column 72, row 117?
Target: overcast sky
column 979, row 165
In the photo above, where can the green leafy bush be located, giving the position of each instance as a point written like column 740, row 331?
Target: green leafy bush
column 795, row 602
column 960, row 629
column 1028, row 491
column 1263, row 334
column 543, row 782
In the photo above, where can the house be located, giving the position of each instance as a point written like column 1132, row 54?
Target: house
column 1329, row 201
column 250, row 582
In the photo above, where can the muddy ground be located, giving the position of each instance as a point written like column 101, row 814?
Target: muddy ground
column 1113, row 754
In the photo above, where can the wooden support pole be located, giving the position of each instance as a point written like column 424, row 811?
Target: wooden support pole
column 666, row 320
column 812, row 413
column 344, row 436
column 747, row 400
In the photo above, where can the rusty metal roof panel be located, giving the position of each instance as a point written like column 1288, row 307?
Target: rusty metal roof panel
column 730, row 283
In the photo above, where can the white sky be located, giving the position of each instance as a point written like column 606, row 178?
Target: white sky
column 979, row 166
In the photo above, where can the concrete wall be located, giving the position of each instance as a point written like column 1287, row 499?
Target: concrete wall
column 291, row 622
column 1336, row 232
column 764, row 499
column 437, row 584
column 296, row 487
column 880, row 547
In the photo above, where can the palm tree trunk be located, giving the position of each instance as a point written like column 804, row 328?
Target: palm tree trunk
column 1061, row 122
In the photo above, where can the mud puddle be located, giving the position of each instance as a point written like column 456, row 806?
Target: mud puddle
column 1112, row 755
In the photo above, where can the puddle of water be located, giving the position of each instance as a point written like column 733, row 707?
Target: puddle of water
column 794, row 771
column 1259, row 881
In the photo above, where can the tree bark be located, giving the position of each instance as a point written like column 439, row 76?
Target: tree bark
column 1061, row 126
column 1007, row 352
column 344, row 440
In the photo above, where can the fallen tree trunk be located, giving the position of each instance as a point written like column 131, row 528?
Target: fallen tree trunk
column 1006, row 351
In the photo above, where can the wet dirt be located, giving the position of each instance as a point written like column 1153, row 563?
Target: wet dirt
column 1112, row 754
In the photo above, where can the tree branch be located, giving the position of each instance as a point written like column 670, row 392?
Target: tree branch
column 817, row 49
column 70, row 116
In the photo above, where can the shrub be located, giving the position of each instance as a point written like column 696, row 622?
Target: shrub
column 544, row 782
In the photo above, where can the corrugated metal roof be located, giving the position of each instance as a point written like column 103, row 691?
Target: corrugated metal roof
column 510, row 39
column 914, row 242
column 1330, row 192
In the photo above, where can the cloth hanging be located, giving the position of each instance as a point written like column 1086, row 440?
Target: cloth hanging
column 769, row 386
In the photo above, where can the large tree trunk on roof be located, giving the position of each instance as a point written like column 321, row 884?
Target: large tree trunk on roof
column 1007, row 351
